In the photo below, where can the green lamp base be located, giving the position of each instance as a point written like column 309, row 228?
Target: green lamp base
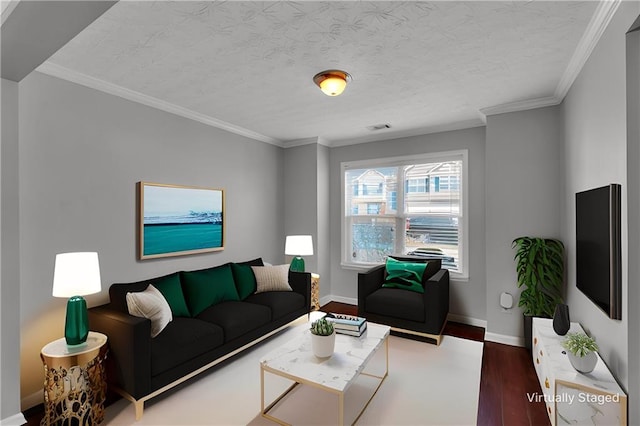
column 76, row 326
column 297, row 264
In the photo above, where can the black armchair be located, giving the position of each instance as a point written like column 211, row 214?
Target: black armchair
column 422, row 314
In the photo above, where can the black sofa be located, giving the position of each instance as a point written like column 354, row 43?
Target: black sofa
column 141, row 367
column 405, row 311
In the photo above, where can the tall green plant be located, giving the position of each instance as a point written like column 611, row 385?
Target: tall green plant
column 540, row 269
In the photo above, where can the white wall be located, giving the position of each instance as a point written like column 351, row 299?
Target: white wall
column 595, row 151
column 467, row 299
column 81, row 154
column 523, row 190
column 9, row 271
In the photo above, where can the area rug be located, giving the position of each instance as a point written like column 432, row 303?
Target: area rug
column 426, row 385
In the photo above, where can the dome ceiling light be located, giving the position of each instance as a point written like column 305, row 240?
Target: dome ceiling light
column 332, row 82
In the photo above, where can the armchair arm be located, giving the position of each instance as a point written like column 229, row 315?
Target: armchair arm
column 300, row 282
column 436, row 298
column 129, row 339
column 368, row 282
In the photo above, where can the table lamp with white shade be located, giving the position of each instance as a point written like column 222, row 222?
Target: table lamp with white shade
column 76, row 275
column 298, row 246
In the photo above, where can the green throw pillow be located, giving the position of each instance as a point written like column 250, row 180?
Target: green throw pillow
column 406, row 275
column 245, row 280
column 171, row 289
column 208, row 287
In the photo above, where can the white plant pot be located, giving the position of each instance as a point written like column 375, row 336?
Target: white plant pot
column 584, row 364
column 323, row 346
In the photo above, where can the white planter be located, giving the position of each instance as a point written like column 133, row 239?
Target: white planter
column 322, row 346
column 584, row 364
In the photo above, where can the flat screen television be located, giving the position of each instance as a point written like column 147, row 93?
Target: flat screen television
column 598, row 260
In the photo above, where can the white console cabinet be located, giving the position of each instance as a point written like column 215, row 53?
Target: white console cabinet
column 572, row 397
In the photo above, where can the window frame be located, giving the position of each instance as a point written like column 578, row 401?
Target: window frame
column 463, row 226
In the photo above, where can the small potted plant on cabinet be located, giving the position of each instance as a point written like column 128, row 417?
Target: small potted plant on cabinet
column 323, row 338
column 540, row 270
column 581, row 350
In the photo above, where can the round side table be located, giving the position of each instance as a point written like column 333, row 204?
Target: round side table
column 315, row 292
column 75, row 384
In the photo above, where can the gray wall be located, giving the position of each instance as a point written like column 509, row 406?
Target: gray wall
column 467, row 298
column 300, row 183
column 81, row 154
column 523, row 193
column 633, row 196
column 307, row 204
column 595, row 151
column 9, row 270
column 324, row 213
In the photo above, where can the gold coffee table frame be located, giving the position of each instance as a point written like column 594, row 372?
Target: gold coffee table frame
column 340, row 392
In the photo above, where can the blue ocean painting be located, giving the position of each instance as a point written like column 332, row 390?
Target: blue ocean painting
column 181, row 219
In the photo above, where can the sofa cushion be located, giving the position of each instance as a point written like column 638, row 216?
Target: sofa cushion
column 208, row 287
column 236, row 318
column 171, row 289
column 118, row 292
column 280, row 303
column 272, row 278
column 182, row 340
column 397, row 303
column 244, row 278
column 152, row 305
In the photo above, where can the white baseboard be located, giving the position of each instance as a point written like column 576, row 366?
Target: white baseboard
column 340, row 299
column 504, row 339
column 15, row 420
column 463, row 319
column 32, row 400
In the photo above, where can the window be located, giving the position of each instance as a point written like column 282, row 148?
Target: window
column 407, row 205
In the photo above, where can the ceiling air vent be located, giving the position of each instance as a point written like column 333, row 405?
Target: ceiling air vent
column 379, row 127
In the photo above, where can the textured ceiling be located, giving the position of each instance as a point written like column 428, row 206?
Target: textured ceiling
column 248, row 66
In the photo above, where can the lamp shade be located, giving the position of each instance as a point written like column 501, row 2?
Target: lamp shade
column 298, row 245
column 76, row 274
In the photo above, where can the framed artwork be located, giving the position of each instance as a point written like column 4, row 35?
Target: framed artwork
column 179, row 220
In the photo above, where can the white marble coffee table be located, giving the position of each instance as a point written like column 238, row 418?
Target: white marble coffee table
column 295, row 361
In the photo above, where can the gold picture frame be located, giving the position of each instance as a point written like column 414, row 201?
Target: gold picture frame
column 176, row 220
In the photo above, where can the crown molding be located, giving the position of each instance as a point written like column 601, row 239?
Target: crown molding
column 599, row 22
column 596, row 27
column 7, row 7
column 521, row 106
column 115, row 90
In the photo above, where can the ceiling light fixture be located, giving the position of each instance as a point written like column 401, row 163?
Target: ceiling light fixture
column 332, row 82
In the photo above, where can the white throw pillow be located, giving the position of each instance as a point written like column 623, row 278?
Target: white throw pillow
column 152, row 305
column 271, row 278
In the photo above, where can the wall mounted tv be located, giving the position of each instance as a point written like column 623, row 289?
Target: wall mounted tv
column 598, row 258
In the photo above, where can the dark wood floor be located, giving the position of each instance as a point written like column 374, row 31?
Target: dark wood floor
column 507, row 378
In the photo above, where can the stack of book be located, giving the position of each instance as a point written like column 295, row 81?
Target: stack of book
column 348, row 324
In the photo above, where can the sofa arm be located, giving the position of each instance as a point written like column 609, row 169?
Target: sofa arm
column 129, row 339
column 300, row 282
column 436, row 297
column 368, row 282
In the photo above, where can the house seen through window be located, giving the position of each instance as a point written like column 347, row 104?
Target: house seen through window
column 409, row 205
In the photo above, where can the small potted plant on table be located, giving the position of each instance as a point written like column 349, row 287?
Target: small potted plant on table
column 581, row 350
column 323, row 338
